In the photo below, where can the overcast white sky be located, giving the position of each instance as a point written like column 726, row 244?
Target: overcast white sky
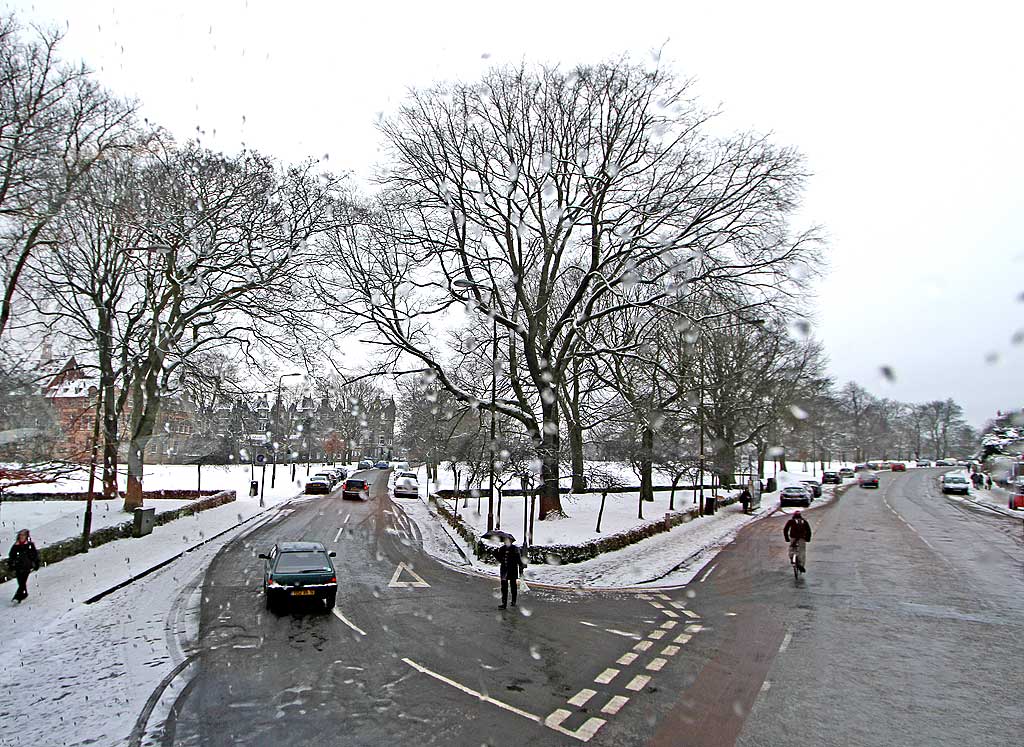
column 910, row 115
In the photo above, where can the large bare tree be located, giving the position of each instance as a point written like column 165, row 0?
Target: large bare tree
column 549, row 194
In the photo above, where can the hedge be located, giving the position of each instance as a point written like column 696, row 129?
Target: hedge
column 58, row 551
column 560, row 554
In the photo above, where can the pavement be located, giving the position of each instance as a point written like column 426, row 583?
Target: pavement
column 903, row 632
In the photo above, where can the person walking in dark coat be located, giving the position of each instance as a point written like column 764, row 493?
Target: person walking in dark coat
column 23, row 559
column 745, row 500
column 510, row 563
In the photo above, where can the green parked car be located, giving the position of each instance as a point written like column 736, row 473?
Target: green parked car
column 299, row 571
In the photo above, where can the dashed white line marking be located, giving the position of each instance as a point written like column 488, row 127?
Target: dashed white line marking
column 340, row 530
column 670, row 613
column 785, row 642
column 615, row 704
column 668, row 624
column 589, row 625
column 655, row 665
column 704, row 578
column 663, row 596
column 623, row 633
column 581, row 698
column 642, row 646
column 694, row 615
column 589, row 729
column 638, row 683
column 659, row 605
column 337, row 614
column 670, row 650
column 556, row 717
column 677, row 605
column 626, row 659
column 606, row 676
column 657, row 634
column 694, row 628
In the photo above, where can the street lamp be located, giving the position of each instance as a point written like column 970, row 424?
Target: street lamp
column 466, row 284
column 280, row 406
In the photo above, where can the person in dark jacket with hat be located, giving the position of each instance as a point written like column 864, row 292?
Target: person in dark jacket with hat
column 510, row 563
column 797, row 533
column 23, row 559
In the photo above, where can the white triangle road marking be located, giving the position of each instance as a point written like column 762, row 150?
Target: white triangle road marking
column 419, row 583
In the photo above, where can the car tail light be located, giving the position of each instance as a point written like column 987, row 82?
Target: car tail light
column 334, row 580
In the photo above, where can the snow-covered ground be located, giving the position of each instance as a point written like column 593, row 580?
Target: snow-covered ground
column 53, row 521
column 995, row 497
column 653, row 560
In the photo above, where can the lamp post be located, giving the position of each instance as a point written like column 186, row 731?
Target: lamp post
column 465, row 284
column 280, row 406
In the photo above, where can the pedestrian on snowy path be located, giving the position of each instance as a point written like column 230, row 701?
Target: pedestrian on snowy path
column 988, row 482
column 23, row 559
column 510, row 563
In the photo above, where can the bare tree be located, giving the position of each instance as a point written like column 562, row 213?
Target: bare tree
column 548, row 195
column 56, row 122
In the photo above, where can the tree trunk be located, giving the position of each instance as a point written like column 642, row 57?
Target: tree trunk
column 647, row 464
column 579, row 480
column 550, row 445
column 145, row 406
column 725, row 461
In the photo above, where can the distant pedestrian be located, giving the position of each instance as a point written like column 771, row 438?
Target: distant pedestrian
column 745, row 500
column 23, row 559
column 510, row 563
column 988, row 482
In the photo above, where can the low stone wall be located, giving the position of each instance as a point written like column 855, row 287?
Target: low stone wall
column 559, row 554
column 178, row 495
column 58, row 551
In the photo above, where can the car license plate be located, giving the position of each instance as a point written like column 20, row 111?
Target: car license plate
column 303, row 593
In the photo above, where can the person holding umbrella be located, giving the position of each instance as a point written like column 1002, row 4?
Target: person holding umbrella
column 510, row 565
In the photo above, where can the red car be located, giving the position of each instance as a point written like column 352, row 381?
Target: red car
column 898, row 467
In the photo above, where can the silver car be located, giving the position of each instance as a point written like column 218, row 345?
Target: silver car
column 955, row 484
column 795, row 494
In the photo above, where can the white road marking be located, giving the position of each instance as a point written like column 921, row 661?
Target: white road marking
column 623, row 633
column 479, row 696
column 589, row 729
column 347, row 517
column 584, row 622
column 626, row 659
column 670, row 650
column 556, row 717
column 642, row 646
column 670, row 613
column 766, row 685
column 677, row 605
column 785, row 642
column 663, row 596
column 615, row 704
column 419, row 583
column 340, row 530
column 730, row 614
column 655, row 665
column 337, row 614
column 657, row 634
column 683, row 638
column 694, row 628
column 638, row 683
column 606, row 676
column 694, row 615
column 711, row 570
column 668, row 624
column 659, row 605
column 581, row 698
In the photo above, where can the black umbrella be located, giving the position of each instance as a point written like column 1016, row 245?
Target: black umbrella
column 497, row 534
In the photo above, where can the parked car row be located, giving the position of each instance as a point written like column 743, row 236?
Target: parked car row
column 325, row 480
column 955, row 484
column 407, row 485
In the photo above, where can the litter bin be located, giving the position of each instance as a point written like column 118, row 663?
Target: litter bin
column 772, row 485
column 709, row 505
column 254, row 487
column 143, row 521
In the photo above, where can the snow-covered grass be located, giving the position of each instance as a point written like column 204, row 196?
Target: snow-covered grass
column 53, row 521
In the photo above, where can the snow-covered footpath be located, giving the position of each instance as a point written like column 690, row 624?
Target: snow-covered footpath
column 77, row 674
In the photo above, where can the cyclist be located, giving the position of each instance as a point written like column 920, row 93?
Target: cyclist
column 797, row 533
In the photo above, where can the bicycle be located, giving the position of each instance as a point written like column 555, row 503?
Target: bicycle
column 793, row 555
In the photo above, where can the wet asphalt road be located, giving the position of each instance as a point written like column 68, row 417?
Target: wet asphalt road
column 901, row 633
